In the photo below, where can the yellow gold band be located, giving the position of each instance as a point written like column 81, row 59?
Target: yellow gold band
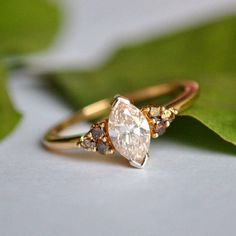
column 98, row 110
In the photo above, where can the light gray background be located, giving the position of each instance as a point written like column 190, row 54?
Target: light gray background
column 184, row 190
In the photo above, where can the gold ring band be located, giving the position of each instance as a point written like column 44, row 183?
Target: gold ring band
column 128, row 129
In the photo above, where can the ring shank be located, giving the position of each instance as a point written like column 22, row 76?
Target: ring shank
column 53, row 139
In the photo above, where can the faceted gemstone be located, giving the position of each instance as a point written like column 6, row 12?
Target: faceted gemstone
column 154, row 111
column 102, row 148
column 160, row 128
column 129, row 130
column 87, row 143
column 97, row 133
column 167, row 115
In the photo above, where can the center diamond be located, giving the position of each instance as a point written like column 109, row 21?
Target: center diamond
column 129, row 131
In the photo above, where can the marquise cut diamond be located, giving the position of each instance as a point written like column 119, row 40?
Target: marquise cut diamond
column 129, row 131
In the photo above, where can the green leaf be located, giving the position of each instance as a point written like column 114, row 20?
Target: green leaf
column 25, row 26
column 206, row 53
column 9, row 117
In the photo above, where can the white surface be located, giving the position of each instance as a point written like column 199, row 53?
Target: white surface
column 182, row 191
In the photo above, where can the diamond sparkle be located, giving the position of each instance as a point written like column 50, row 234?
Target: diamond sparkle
column 129, row 131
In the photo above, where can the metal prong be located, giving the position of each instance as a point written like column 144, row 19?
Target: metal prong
column 119, row 98
column 139, row 165
column 155, row 135
column 167, row 123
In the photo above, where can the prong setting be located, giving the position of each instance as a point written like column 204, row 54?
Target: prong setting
column 139, row 165
column 159, row 118
column 97, row 140
column 119, row 98
column 128, row 129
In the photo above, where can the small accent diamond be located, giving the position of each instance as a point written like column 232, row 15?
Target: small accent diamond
column 96, row 139
column 159, row 118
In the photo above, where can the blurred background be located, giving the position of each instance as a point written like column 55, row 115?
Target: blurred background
column 188, row 186
column 91, row 30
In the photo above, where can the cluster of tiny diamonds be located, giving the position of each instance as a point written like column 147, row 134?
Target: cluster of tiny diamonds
column 159, row 118
column 97, row 139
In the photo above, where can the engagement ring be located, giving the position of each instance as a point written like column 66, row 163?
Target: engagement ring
column 128, row 129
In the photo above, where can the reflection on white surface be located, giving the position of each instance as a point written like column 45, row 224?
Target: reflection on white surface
column 182, row 191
